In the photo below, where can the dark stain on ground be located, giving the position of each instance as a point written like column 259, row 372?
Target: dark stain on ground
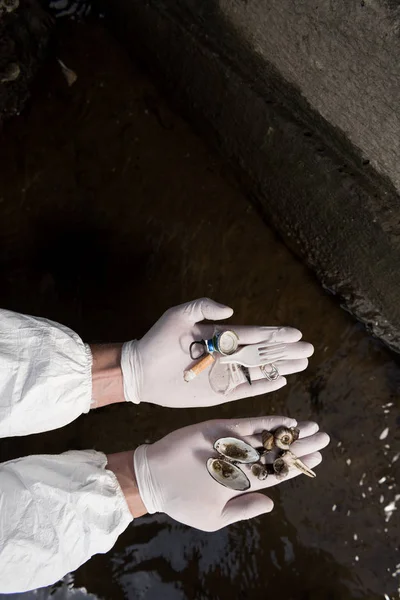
column 112, row 210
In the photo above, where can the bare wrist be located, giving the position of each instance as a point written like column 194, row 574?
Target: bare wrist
column 121, row 464
column 107, row 384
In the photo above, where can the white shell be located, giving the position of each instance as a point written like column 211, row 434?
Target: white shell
column 236, row 450
column 228, row 474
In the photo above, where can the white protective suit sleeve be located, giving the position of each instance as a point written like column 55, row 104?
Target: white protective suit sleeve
column 45, row 375
column 55, row 513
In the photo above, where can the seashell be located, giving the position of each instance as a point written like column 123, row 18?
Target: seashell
column 236, row 450
column 228, row 474
column 281, row 469
column 259, row 471
column 287, row 460
column 267, row 439
column 284, row 436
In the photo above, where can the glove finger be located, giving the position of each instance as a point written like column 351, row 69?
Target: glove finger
column 203, row 308
column 245, row 390
column 254, row 425
column 285, row 367
column 310, row 444
column 245, row 507
column 255, row 335
column 307, row 428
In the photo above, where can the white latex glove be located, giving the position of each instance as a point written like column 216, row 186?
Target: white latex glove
column 172, row 477
column 153, row 367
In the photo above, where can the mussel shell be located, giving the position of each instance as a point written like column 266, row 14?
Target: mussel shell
column 228, row 474
column 236, row 450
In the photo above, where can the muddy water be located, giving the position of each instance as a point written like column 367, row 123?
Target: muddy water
column 111, row 210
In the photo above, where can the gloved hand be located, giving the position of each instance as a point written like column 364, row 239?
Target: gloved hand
column 172, row 477
column 153, row 367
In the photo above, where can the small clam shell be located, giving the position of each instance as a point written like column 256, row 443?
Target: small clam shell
column 281, row 468
column 228, row 474
column 236, row 450
column 259, row 471
column 267, row 439
column 284, row 436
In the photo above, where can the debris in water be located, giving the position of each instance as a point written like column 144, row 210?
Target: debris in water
column 384, row 433
column 382, row 480
column 391, row 507
column 69, row 74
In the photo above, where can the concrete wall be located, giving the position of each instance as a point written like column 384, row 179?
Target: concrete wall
column 302, row 98
column 343, row 56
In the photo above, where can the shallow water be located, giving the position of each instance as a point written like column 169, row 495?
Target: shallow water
column 112, row 210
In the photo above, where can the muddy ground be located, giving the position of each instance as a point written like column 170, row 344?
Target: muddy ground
column 112, row 210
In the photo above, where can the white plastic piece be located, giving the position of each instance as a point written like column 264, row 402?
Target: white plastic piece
column 256, row 355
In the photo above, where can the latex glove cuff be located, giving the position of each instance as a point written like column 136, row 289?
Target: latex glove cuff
column 149, row 492
column 132, row 372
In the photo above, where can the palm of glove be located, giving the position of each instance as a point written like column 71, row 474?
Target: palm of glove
column 173, row 478
column 153, row 367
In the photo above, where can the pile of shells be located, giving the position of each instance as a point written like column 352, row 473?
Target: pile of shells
column 234, row 452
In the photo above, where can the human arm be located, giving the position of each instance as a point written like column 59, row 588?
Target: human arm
column 58, row 511
column 55, row 513
column 49, row 376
